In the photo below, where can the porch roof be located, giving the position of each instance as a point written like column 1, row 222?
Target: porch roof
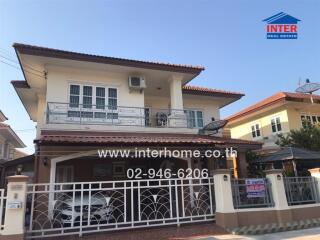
column 121, row 138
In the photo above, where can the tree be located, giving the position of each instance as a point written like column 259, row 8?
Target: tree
column 307, row 137
column 254, row 169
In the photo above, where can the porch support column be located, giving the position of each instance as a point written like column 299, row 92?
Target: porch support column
column 15, row 207
column 176, row 92
column 177, row 117
column 226, row 216
column 278, row 190
column 41, row 114
column 294, row 165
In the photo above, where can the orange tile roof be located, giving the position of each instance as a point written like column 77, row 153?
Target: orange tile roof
column 276, row 98
column 209, row 91
column 57, row 53
column 109, row 138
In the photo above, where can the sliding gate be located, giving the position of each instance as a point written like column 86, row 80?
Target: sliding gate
column 83, row 207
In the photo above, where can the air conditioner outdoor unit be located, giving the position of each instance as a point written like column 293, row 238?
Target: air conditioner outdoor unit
column 136, row 82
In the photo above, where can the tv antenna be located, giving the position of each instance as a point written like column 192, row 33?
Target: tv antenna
column 308, row 88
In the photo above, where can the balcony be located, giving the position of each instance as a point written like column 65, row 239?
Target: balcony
column 86, row 114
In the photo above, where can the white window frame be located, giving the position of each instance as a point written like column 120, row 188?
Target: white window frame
column 92, row 96
column 93, row 109
column 305, row 115
column 196, row 118
column 276, row 125
column 254, row 124
column 105, row 97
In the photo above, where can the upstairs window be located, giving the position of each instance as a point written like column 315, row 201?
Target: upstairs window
column 11, row 153
column 314, row 119
column 255, row 130
column 74, row 96
column 93, row 101
column 194, row 118
column 276, row 125
column 199, row 119
column 87, row 97
column 112, row 98
column 100, row 97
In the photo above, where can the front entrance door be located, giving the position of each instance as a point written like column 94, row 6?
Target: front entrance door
column 64, row 174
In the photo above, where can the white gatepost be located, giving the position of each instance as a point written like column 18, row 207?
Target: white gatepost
column 226, row 216
column 15, row 207
column 278, row 190
column 315, row 173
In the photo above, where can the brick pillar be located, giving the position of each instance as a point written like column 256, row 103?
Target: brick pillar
column 15, row 207
column 226, row 216
column 275, row 177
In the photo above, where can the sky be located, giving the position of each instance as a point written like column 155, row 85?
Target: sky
column 227, row 37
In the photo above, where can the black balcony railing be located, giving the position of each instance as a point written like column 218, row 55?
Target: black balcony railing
column 72, row 113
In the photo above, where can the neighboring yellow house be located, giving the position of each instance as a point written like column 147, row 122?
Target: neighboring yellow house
column 9, row 141
column 279, row 113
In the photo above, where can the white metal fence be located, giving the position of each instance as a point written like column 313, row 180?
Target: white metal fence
column 83, row 207
column 3, row 199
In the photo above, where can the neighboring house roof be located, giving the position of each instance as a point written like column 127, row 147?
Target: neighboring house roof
column 274, row 99
column 9, row 134
column 20, row 84
column 18, row 154
column 56, row 53
column 281, row 18
column 290, row 153
column 188, row 89
column 17, row 161
column 25, row 88
column 2, row 117
column 125, row 139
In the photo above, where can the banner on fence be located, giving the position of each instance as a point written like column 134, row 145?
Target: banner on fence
column 255, row 187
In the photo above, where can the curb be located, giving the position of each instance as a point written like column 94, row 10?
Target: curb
column 273, row 227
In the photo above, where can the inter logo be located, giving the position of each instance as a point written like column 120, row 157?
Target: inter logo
column 282, row 26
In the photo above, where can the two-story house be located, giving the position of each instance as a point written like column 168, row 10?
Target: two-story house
column 9, row 141
column 279, row 113
column 84, row 102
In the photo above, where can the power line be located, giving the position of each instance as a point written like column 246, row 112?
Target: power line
column 12, row 58
column 18, row 68
column 25, row 65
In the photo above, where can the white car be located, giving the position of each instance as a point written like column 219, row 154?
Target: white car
column 69, row 210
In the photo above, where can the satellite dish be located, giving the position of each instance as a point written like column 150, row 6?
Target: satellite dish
column 213, row 127
column 308, row 87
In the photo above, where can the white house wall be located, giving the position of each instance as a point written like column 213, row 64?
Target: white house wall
column 209, row 107
column 59, row 79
